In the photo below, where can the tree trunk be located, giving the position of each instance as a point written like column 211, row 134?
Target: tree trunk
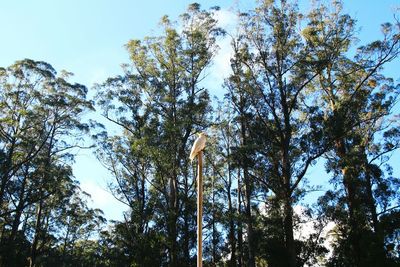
column 371, row 201
column 249, row 220
column 349, row 182
column 288, row 212
column 231, row 212
column 378, row 235
column 248, row 193
column 172, row 223
column 231, row 235
column 11, row 252
column 239, row 223
column 288, row 228
column 33, row 253
column 5, row 176
column 214, row 229
column 38, row 226
column 20, row 207
column 186, row 223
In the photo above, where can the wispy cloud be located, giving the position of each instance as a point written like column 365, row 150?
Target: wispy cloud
column 93, row 180
column 104, row 200
column 221, row 67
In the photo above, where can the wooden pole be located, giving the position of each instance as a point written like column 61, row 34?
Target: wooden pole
column 200, row 210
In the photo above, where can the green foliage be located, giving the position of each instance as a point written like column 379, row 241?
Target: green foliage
column 159, row 105
column 298, row 92
column 40, row 125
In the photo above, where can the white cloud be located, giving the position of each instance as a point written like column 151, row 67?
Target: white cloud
column 308, row 227
column 227, row 19
column 221, row 67
column 104, row 200
column 93, row 180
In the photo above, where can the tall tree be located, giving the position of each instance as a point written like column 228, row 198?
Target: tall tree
column 40, row 125
column 159, row 110
column 270, row 76
column 237, row 89
column 358, row 99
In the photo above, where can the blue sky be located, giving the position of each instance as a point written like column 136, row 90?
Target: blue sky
column 87, row 37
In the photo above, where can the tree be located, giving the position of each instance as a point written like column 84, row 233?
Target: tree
column 298, row 91
column 159, row 105
column 358, row 99
column 268, row 88
column 40, row 127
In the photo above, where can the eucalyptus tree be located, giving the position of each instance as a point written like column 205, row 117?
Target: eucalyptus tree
column 20, row 97
column 281, row 129
column 358, row 100
column 241, row 154
column 74, row 224
column 224, row 168
column 40, row 125
column 159, row 103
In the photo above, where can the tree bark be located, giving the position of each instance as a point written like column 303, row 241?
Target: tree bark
column 6, row 169
column 186, row 223
column 378, row 235
column 214, row 229
column 350, row 187
column 248, row 193
column 9, row 255
column 287, row 208
column 231, row 235
column 239, row 223
column 33, row 252
column 172, row 223
column 249, row 220
column 288, row 228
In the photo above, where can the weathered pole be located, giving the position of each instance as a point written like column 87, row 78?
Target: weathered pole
column 200, row 209
column 197, row 150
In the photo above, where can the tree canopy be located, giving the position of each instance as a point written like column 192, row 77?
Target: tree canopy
column 299, row 92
